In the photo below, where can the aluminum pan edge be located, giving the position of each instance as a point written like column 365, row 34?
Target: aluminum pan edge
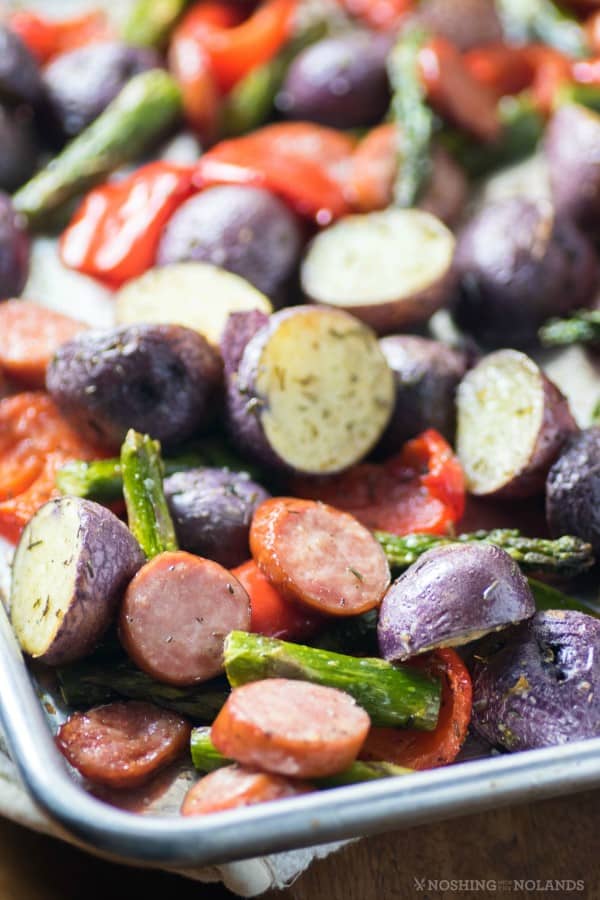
column 300, row 822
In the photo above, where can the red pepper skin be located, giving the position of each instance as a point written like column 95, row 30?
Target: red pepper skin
column 114, row 234
column 383, row 15
column 47, row 38
column 235, row 46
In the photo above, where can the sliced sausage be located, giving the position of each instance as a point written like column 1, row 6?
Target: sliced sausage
column 321, row 557
column 234, row 786
column 123, row 744
column 291, row 728
column 176, row 614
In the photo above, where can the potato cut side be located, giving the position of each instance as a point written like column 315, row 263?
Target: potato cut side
column 328, row 390
column 500, row 416
column 44, row 575
column 378, row 258
column 194, row 294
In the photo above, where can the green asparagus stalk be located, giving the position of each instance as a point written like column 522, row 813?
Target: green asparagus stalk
column 355, row 635
column 251, row 101
column 413, row 117
column 583, row 327
column 149, row 22
column 145, row 109
column 207, row 758
column 566, row 556
column 528, row 21
column 392, row 695
column 548, row 597
column 88, row 684
column 147, row 511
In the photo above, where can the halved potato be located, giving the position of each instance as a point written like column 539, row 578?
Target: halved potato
column 390, row 269
column 512, row 424
column 195, row 294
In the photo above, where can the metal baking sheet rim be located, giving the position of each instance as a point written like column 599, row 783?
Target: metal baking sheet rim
column 288, row 824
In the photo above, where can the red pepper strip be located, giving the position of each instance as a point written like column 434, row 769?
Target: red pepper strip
column 114, row 234
column 234, row 47
column 592, row 28
column 380, row 14
column 46, row 38
column 192, row 69
column 501, row 68
column 430, row 749
column 419, row 490
column 552, row 71
column 455, row 93
column 305, row 164
column 272, row 614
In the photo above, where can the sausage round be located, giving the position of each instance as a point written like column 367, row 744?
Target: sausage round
column 234, row 786
column 321, row 557
column 291, row 728
column 123, row 744
column 176, row 614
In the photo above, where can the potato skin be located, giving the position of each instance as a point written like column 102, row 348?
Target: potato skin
column 572, row 150
column 14, row 250
column 245, row 230
column 108, row 558
column 212, row 510
column 81, row 83
column 517, row 265
column 538, row 685
column 18, row 150
column 163, row 380
column 426, row 374
column 449, row 594
column 339, row 81
column 20, row 79
column 573, row 489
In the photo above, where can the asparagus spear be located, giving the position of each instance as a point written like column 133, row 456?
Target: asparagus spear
column 145, row 109
column 392, row 695
column 90, row 683
column 251, row 101
column 583, row 327
column 528, row 21
column 147, row 510
column 413, row 117
column 207, row 758
column 149, row 22
column 566, row 556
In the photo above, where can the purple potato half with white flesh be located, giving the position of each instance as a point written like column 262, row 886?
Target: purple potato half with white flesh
column 71, row 567
column 512, row 423
column 212, row 510
column 538, row 685
column 452, row 595
column 573, row 489
column 313, row 392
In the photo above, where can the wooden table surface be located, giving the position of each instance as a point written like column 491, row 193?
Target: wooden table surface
column 556, row 839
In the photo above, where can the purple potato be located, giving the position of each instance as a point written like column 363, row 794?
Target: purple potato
column 245, row 230
column 18, row 150
column 20, row 78
column 447, row 191
column 14, row 250
column 81, row 83
column 572, row 150
column 339, row 81
column 240, row 328
column 573, row 489
column 519, row 264
column 163, row 380
column 465, row 23
column 538, row 685
column 427, row 374
column 71, row 567
column 449, row 597
column 212, row 510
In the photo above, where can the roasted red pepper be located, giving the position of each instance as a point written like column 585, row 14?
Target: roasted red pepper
column 236, row 45
column 272, row 614
column 305, row 164
column 380, row 14
column 419, row 490
column 46, row 38
column 114, row 234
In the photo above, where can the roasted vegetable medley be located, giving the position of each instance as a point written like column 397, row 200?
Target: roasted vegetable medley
column 289, row 487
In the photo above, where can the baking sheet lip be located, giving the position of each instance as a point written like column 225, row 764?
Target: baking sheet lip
column 288, row 824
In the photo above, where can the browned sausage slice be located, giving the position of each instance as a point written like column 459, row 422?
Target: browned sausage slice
column 234, row 786
column 123, row 744
column 319, row 556
column 291, row 728
column 176, row 614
